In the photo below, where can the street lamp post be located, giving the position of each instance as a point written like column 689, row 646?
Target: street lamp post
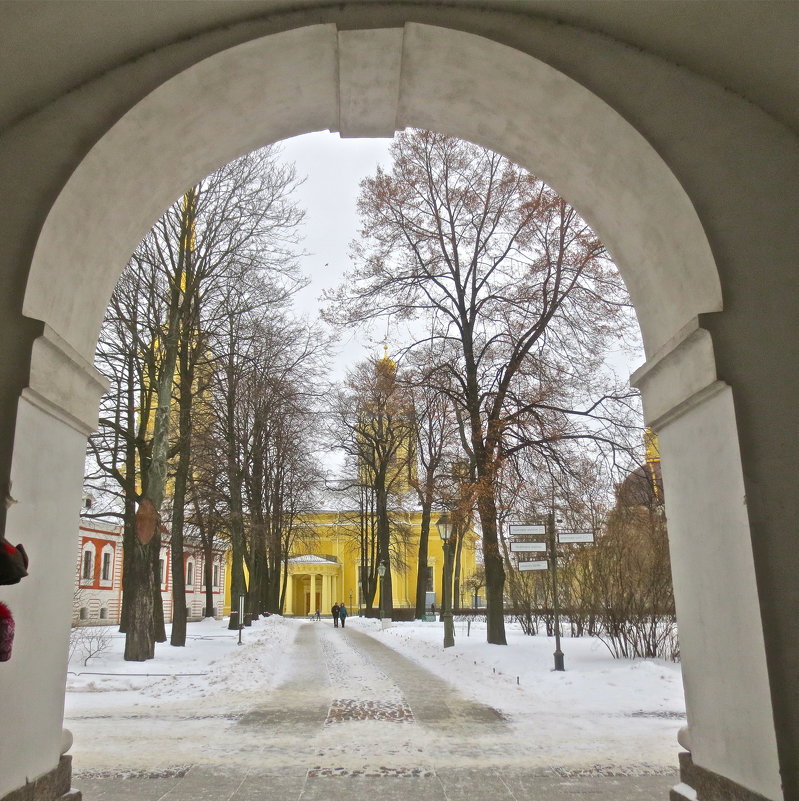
column 444, row 526
column 381, row 571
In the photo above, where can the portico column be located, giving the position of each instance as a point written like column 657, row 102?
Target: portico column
column 326, row 602
column 288, row 607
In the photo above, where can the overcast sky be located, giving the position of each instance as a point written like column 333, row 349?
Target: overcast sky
column 334, row 168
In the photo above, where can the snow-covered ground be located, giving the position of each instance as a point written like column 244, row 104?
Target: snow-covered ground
column 600, row 713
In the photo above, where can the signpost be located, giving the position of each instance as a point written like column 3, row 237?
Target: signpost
column 553, row 554
column 527, row 547
column 550, row 537
column 524, row 530
column 537, row 564
column 575, row 536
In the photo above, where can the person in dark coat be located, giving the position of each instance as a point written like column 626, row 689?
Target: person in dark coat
column 342, row 614
column 335, row 611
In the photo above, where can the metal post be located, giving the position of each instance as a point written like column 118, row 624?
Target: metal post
column 553, row 548
column 449, row 628
column 241, row 615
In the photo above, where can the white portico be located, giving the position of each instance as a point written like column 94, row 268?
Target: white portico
column 314, row 582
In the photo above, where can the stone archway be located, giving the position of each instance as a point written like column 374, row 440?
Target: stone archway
column 372, row 82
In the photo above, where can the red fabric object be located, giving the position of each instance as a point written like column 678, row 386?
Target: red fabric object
column 6, row 633
column 13, row 562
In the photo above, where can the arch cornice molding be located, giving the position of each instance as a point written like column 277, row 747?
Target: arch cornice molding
column 63, row 384
column 312, row 79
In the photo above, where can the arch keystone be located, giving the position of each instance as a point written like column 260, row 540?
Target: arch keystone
column 369, row 81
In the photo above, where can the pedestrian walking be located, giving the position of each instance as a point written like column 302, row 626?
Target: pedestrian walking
column 335, row 610
column 342, row 613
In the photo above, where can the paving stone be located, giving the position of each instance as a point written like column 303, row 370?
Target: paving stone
column 354, row 709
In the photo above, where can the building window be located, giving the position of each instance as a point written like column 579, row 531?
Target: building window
column 106, row 574
column 429, row 587
column 216, row 575
column 162, row 568
column 88, row 559
column 84, row 613
column 190, row 574
column 103, row 614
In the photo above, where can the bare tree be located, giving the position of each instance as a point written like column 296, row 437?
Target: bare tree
column 372, row 421
column 517, row 295
column 629, row 573
column 278, row 422
column 435, row 430
column 237, row 228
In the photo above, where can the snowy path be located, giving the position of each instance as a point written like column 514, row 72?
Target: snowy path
column 305, row 706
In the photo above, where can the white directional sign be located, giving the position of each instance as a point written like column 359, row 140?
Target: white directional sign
column 576, row 536
column 520, row 530
column 538, row 564
column 526, row 547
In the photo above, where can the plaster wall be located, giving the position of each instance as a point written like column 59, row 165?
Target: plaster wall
column 731, row 729
column 599, row 120
column 47, row 485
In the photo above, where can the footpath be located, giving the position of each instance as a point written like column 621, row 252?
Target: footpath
column 358, row 721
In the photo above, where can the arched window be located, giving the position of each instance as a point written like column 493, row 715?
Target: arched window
column 107, row 565
column 190, row 574
column 216, row 574
column 87, row 563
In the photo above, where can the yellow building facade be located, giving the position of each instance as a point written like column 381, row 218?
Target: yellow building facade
column 324, row 565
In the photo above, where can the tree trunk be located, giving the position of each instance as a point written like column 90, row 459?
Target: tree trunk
column 128, row 570
column 129, row 530
column 159, row 628
column 384, row 552
column 486, row 505
column 421, row 569
column 283, row 586
column 494, row 569
column 140, row 637
column 178, row 636
column 459, row 534
column 208, row 570
column 185, row 399
column 153, row 493
column 237, row 583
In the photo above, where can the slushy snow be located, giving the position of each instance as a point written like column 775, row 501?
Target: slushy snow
column 183, row 707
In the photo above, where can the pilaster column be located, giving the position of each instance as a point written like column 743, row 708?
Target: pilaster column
column 721, row 634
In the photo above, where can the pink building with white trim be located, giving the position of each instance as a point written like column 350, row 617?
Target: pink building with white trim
column 98, row 576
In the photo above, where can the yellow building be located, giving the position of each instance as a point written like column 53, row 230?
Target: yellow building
column 324, row 568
